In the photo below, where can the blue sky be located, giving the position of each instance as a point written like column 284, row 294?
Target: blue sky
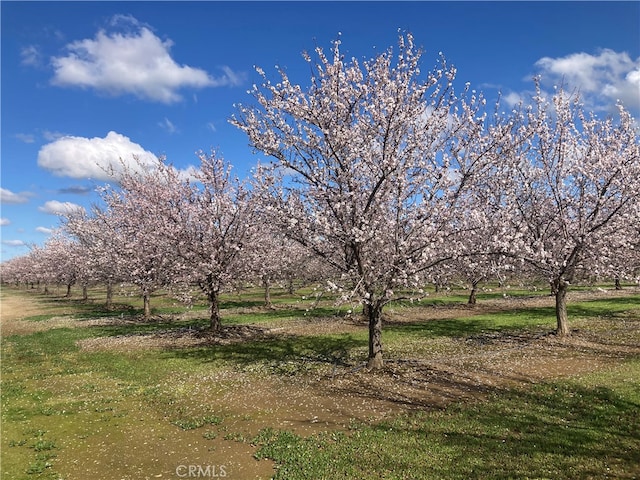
column 85, row 82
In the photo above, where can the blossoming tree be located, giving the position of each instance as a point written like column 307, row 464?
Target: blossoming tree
column 216, row 230
column 373, row 162
column 571, row 191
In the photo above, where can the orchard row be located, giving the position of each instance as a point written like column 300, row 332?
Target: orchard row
column 383, row 179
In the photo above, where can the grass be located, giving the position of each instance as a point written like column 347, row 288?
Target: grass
column 585, row 428
column 192, row 423
column 516, row 319
column 309, row 348
column 62, row 405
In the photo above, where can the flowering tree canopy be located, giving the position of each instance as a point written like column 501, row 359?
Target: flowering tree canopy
column 217, row 229
column 374, row 162
column 571, row 191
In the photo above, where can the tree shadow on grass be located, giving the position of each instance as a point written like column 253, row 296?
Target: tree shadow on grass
column 130, row 326
column 473, row 325
column 319, row 349
column 604, row 307
column 558, row 430
column 88, row 309
column 264, row 314
column 411, row 385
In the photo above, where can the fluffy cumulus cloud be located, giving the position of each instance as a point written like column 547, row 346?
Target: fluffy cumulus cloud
column 4, row 221
column 134, row 61
column 54, row 207
column 45, row 230
column 95, row 158
column 602, row 79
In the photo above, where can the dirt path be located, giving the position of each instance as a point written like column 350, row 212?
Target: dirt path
column 17, row 306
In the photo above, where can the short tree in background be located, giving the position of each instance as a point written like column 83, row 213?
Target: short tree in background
column 160, row 229
column 132, row 229
column 216, row 230
column 101, row 258
column 571, row 192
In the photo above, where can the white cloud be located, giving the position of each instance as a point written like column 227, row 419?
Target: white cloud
column 234, row 78
column 80, row 157
column 167, row 125
column 13, row 243
column 25, row 137
column 7, row 196
column 54, row 207
column 31, row 56
column 512, row 99
column 134, row 62
column 601, row 79
column 75, row 190
column 5, row 221
column 50, row 136
column 44, row 230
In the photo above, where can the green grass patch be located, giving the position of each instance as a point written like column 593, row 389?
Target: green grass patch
column 620, row 307
column 518, row 319
column 143, row 327
column 193, row 423
column 584, row 428
column 279, row 355
column 40, row 346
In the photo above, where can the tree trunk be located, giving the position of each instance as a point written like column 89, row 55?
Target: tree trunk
column 215, row 325
column 146, row 297
column 109, row 295
column 618, row 284
column 472, row 296
column 68, row 295
column 561, row 289
column 374, row 313
column 85, row 293
column 267, row 291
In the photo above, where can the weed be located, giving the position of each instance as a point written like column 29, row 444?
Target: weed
column 43, row 445
column 40, row 464
column 17, row 443
column 235, row 437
